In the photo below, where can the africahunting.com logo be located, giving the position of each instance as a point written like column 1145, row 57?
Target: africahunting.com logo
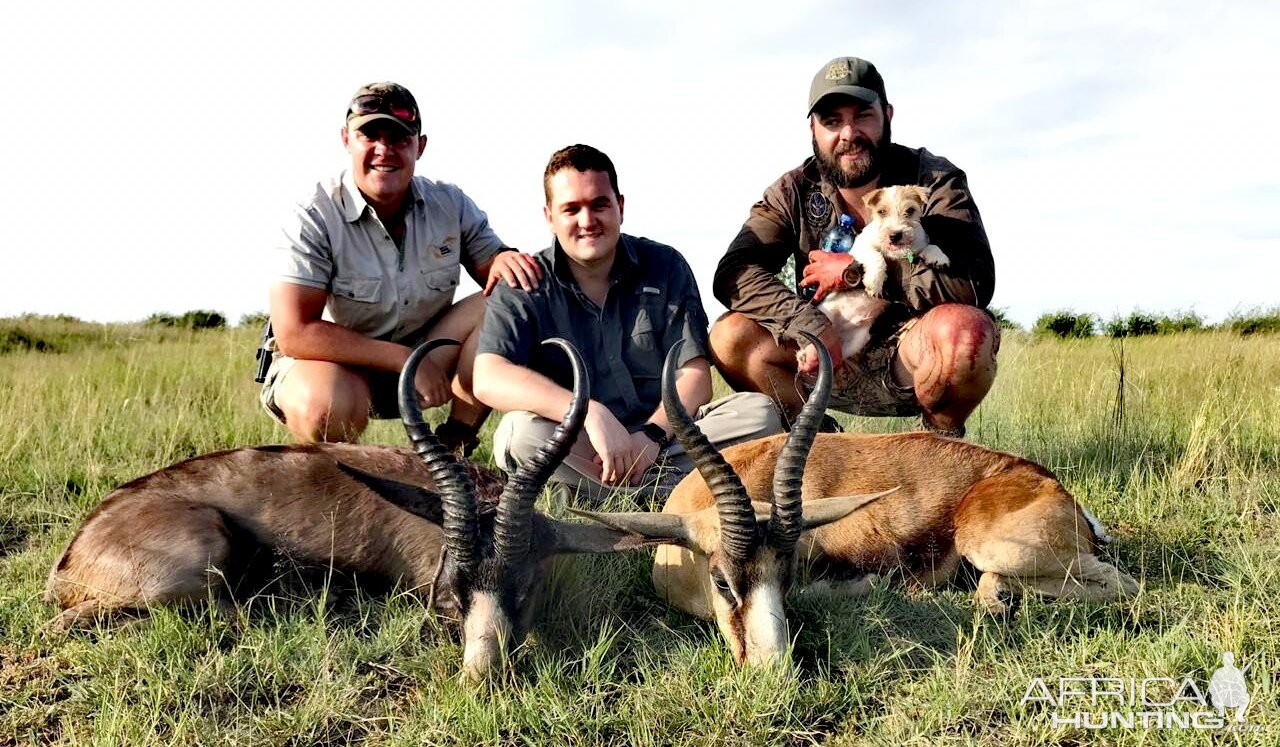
column 1147, row 702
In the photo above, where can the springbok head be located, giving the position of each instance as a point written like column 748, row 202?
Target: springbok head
column 748, row 542
column 492, row 564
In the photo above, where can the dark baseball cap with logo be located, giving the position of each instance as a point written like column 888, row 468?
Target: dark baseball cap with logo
column 390, row 101
column 847, row 76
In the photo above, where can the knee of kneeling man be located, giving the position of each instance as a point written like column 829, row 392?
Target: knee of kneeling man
column 320, row 410
column 770, row 417
column 963, row 329
column 519, row 435
column 759, row 412
column 730, row 331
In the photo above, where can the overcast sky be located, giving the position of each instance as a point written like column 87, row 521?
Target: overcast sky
column 1122, row 153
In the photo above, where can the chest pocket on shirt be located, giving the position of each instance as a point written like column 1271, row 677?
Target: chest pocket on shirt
column 646, row 353
column 364, row 290
column 442, row 280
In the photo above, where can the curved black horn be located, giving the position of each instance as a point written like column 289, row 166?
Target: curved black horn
column 458, row 493
column 513, row 523
column 785, row 519
column 738, row 534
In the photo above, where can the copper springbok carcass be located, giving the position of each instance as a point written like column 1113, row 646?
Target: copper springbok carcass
column 184, row 533
column 762, row 517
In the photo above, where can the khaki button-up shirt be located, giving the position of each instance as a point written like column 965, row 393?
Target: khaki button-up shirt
column 337, row 243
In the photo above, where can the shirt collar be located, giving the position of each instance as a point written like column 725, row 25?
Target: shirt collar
column 624, row 259
column 353, row 203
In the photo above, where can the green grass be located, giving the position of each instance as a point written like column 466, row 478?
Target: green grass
column 1186, row 475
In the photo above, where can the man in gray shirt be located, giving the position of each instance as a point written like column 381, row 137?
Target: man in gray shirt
column 623, row 301
column 368, row 268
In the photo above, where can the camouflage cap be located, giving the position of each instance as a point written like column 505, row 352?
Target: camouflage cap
column 390, row 101
column 847, row 76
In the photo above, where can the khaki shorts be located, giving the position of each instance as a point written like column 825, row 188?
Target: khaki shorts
column 383, row 389
column 864, row 385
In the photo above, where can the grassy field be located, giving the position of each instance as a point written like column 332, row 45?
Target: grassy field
column 1180, row 458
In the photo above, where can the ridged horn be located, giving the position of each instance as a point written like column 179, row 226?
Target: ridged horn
column 458, row 494
column 786, row 517
column 738, row 532
column 513, row 523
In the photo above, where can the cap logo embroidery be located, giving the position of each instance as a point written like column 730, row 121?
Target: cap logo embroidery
column 838, row 70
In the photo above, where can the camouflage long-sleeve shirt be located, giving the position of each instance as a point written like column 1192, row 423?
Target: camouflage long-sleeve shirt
column 799, row 208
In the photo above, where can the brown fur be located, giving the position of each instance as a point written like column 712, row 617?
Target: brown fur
column 170, row 536
column 1008, row 516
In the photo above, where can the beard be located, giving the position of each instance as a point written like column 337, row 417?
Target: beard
column 865, row 167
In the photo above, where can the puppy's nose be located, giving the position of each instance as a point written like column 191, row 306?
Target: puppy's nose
column 895, row 237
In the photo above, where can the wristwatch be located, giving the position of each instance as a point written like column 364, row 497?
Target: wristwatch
column 853, row 275
column 656, row 434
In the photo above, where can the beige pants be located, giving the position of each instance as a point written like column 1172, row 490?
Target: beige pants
column 739, row 417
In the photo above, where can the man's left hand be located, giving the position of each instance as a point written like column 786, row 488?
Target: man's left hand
column 826, row 271
column 518, row 269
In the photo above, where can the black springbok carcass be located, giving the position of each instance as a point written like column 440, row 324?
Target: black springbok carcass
column 190, row 530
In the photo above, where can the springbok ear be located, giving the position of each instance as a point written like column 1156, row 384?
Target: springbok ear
column 412, row 498
column 628, row 530
column 823, row 511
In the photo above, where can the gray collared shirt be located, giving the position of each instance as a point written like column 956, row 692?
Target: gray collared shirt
column 652, row 302
column 336, row 242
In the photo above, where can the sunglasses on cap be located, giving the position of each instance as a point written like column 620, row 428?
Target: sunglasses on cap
column 379, row 103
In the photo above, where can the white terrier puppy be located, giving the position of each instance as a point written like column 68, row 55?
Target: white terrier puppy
column 894, row 232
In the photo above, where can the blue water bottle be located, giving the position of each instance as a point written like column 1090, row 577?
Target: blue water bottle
column 839, row 240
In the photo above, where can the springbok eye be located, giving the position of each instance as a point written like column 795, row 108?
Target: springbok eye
column 722, row 585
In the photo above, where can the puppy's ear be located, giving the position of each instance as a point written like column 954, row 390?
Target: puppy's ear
column 919, row 193
column 873, row 198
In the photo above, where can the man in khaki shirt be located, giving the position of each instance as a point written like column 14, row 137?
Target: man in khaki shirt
column 368, row 268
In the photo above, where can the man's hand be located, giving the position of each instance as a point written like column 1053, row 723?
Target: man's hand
column 829, row 338
column 647, row 454
column 825, row 271
column 617, row 452
column 432, row 384
column 518, row 269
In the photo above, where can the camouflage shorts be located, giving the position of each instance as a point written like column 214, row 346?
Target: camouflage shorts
column 864, row 385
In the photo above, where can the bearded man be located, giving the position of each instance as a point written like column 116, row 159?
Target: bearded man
column 932, row 351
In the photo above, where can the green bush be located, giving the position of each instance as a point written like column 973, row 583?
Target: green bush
column 255, row 320
column 1137, row 323
column 1003, row 320
column 1254, row 321
column 1066, row 324
column 1181, row 321
column 16, row 338
column 189, row 320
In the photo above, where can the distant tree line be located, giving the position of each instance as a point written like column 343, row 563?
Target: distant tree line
column 61, row 332
column 1068, row 324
